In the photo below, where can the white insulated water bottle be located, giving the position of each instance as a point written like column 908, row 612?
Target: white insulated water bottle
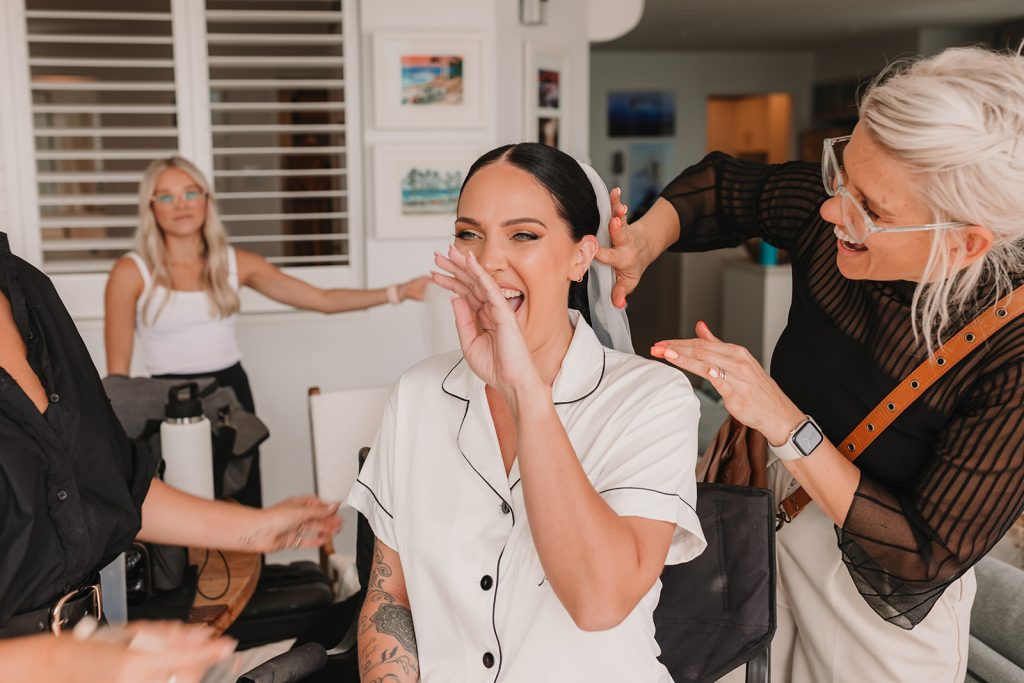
column 185, row 442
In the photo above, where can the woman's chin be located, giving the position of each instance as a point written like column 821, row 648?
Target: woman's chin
column 854, row 265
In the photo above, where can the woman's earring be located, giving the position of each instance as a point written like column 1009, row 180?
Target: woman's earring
column 580, row 278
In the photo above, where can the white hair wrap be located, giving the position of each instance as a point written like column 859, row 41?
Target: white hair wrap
column 609, row 323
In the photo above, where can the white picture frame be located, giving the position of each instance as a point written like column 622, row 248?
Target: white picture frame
column 423, row 206
column 546, row 82
column 424, row 80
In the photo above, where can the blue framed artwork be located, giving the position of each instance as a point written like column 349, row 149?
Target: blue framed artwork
column 641, row 114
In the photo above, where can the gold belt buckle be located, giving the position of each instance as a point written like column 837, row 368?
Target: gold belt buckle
column 57, row 620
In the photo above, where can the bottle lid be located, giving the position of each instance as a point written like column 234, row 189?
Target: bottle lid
column 179, row 407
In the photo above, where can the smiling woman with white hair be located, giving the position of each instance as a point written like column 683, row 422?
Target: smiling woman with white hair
column 903, row 350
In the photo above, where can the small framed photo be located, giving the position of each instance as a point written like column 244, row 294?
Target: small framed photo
column 546, row 75
column 428, row 80
column 416, row 187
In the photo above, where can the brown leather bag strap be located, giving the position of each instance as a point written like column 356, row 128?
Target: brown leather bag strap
column 916, row 383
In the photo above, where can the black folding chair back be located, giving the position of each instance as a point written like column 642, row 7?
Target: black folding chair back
column 717, row 611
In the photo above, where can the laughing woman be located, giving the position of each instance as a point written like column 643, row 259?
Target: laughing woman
column 917, row 230
column 526, row 492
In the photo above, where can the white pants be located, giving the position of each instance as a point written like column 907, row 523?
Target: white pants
column 827, row 632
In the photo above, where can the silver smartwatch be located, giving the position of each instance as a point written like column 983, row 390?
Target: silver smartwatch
column 801, row 441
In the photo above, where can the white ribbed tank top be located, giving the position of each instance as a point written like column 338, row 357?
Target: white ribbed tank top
column 187, row 336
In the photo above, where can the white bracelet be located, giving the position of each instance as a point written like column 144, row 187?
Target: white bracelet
column 393, row 297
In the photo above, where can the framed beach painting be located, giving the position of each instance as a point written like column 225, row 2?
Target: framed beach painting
column 546, row 95
column 428, row 80
column 416, row 187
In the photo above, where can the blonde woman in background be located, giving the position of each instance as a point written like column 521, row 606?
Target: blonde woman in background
column 917, row 228
column 179, row 290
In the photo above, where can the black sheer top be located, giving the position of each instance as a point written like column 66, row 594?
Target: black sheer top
column 946, row 480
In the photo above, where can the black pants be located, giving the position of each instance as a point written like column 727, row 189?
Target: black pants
column 235, row 377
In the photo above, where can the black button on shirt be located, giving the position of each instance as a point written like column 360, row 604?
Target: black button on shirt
column 488, row 660
column 486, row 583
column 75, row 453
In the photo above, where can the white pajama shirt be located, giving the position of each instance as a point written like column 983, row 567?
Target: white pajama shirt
column 434, row 489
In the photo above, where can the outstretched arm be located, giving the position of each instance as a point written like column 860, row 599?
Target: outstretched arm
column 387, row 640
column 174, row 517
column 256, row 272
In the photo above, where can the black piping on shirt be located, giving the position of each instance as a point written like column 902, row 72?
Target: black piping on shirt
column 641, row 488
column 494, row 610
column 604, row 365
column 482, row 478
column 376, row 499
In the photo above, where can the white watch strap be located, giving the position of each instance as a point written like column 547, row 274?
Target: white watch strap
column 789, row 450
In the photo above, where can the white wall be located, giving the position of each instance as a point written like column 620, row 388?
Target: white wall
column 694, row 77
column 286, row 353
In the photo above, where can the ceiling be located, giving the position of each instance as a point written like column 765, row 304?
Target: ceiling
column 799, row 24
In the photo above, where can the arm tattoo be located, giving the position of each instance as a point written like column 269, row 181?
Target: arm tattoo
column 390, row 620
column 395, row 620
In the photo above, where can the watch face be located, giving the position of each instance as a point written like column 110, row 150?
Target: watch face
column 807, row 438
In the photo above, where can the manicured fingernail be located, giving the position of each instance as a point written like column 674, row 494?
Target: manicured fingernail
column 713, row 372
column 670, row 354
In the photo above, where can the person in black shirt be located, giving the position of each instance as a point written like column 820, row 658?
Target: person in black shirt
column 74, row 491
column 916, row 229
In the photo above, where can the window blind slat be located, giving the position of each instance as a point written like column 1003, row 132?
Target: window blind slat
column 255, row 217
column 68, row 38
column 248, row 151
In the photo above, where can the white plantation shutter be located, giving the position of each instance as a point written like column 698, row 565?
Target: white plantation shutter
column 256, row 92
column 279, row 127
column 103, row 105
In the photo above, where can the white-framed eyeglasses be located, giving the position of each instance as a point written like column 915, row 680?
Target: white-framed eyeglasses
column 857, row 223
column 166, row 198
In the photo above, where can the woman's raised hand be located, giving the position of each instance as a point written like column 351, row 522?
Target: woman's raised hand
column 636, row 246
column 748, row 391
column 488, row 331
column 624, row 254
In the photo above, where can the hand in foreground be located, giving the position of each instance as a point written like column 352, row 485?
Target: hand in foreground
column 748, row 391
column 414, row 289
column 300, row 522
column 142, row 652
column 488, row 331
column 627, row 255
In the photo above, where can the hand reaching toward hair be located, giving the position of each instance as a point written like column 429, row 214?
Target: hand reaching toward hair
column 628, row 254
column 489, row 333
